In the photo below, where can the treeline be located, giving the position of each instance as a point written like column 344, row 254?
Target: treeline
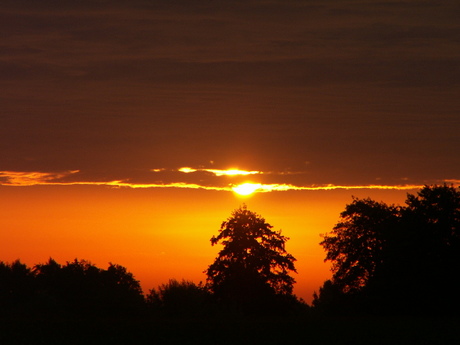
column 386, row 259
column 76, row 289
column 79, row 289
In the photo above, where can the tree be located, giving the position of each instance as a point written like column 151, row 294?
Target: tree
column 434, row 213
column 357, row 242
column 123, row 292
column 431, row 221
column 183, row 298
column 17, row 286
column 80, row 288
column 253, row 262
column 403, row 259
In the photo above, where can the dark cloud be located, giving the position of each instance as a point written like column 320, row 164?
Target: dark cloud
column 360, row 89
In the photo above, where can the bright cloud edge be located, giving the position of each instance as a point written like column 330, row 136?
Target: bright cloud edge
column 18, row 179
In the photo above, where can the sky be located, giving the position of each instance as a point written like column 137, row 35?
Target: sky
column 120, row 122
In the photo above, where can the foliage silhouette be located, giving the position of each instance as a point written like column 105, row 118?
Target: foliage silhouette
column 389, row 259
column 16, row 287
column 253, row 267
column 357, row 243
column 431, row 221
column 75, row 289
column 82, row 288
column 176, row 298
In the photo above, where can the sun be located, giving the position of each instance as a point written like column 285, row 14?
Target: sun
column 246, row 188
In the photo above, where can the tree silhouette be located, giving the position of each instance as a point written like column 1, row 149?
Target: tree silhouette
column 80, row 288
column 16, row 287
column 392, row 259
column 431, row 221
column 356, row 245
column 253, row 263
column 183, row 298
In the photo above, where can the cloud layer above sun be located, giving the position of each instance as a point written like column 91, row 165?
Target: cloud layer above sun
column 235, row 180
column 360, row 91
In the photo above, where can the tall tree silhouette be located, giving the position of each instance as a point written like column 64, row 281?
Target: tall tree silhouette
column 253, row 262
column 397, row 258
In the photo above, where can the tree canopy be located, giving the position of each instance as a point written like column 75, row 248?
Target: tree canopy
column 357, row 242
column 405, row 258
column 179, row 298
column 77, row 288
column 253, row 262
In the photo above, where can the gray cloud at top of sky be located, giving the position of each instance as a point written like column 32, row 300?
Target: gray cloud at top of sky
column 360, row 89
column 70, row 37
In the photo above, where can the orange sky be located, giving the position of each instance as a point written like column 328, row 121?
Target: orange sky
column 160, row 234
column 104, row 103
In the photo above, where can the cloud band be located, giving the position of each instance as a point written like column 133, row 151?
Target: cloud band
column 17, row 179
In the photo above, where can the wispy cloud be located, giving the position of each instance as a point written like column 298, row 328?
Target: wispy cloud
column 69, row 178
column 30, row 178
column 262, row 188
column 15, row 178
column 453, row 181
column 220, row 172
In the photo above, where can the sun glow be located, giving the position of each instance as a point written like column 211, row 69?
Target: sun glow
column 246, row 188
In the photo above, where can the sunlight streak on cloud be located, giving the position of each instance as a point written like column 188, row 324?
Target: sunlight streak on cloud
column 220, row 172
column 166, row 185
column 262, row 188
column 14, row 178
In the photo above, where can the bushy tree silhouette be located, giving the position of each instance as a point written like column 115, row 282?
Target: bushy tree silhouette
column 431, row 224
column 80, row 288
column 183, row 298
column 356, row 245
column 253, row 264
column 17, row 287
column 397, row 259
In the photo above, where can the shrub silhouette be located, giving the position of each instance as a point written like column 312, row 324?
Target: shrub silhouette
column 183, row 298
